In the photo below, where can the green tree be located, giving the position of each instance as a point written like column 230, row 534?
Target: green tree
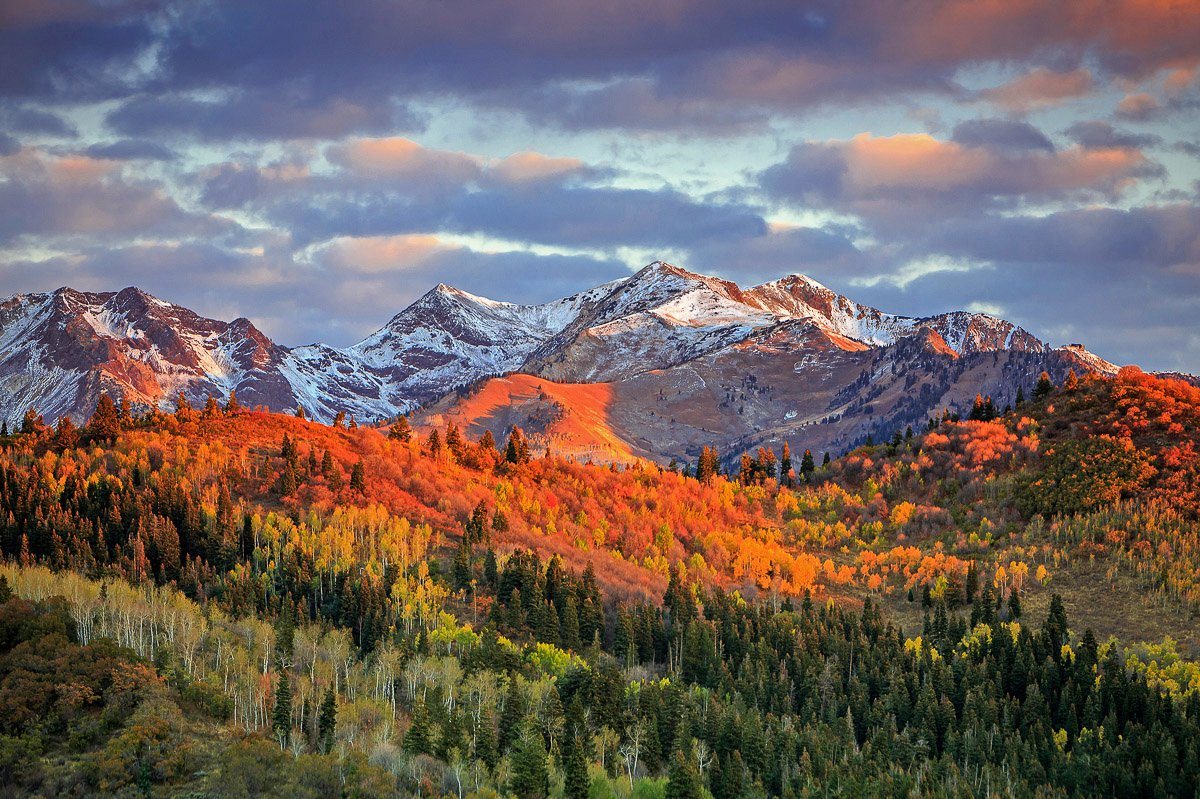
column 281, row 715
column 1044, row 386
column 530, row 774
column 358, row 477
column 682, row 780
column 807, row 466
column 575, row 774
column 327, row 723
column 417, row 738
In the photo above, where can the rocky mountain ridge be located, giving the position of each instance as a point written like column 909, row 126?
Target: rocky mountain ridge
column 657, row 329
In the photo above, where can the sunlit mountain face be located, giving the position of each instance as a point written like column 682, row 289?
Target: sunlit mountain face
column 316, row 168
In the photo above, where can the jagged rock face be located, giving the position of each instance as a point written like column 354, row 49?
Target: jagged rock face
column 678, row 350
column 60, row 351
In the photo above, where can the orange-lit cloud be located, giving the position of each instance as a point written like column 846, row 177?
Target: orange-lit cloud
column 903, row 178
column 1040, row 88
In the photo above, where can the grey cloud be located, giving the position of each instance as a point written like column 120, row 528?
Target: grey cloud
column 132, row 150
column 1097, row 134
column 1001, row 133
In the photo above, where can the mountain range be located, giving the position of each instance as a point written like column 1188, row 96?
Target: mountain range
column 654, row 365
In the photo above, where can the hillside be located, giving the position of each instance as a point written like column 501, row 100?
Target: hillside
column 438, row 613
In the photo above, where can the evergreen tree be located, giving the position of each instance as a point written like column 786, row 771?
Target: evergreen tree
column 462, row 565
column 512, row 714
column 487, row 748
column 285, row 635
column 807, row 467
column 211, row 409
column 105, row 424
column 358, row 477
column 327, row 724
column 231, row 405
column 575, row 774
column 1014, row 604
column 183, row 408
column 1072, row 381
column 281, row 715
column 65, row 434
column 682, row 780
column 708, row 465
column 401, row 430
column 32, row 423
column 517, row 450
column 785, row 466
column 1044, row 386
column 530, row 775
column 416, row 739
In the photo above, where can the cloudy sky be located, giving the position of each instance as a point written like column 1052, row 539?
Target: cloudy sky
column 318, row 166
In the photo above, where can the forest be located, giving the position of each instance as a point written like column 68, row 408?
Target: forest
column 220, row 601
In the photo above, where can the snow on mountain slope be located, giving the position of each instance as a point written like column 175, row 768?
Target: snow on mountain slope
column 658, row 317
column 59, row 351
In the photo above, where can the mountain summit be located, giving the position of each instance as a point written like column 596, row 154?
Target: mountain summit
column 720, row 356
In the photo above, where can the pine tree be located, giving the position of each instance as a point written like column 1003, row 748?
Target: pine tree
column 682, row 780
column 454, row 440
column 211, row 409
column 32, row 423
column 462, row 565
column 785, row 466
column 972, row 583
column 358, row 477
column 300, row 413
column 1044, row 386
column 416, row 739
column 517, row 450
column 339, row 421
column 401, row 430
column 434, row 444
column 487, row 748
column 807, row 467
column 708, row 465
column 281, row 715
column 105, row 424
column 513, row 713
column 1014, row 604
column 231, row 404
column 825, row 460
column 530, row 775
column 575, row 774
column 1072, row 381
column 327, row 724
column 183, row 409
